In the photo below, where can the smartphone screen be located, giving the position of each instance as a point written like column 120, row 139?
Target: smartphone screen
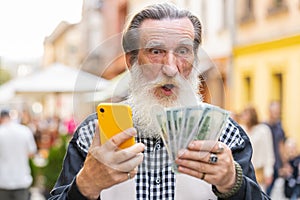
column 114, row 118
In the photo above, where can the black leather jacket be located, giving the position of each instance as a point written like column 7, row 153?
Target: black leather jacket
column 65, row 187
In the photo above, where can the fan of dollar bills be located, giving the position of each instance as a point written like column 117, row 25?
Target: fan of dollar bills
column 180, row 125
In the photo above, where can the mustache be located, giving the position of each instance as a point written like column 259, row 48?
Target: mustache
column 178, row 81
column 162, row 81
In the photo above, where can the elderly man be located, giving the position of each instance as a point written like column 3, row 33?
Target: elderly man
column 161, row 44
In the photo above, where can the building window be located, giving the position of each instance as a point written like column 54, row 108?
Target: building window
column 72, row 49
column 249, row 6
column 224, row 16
column 277, row 7
column 203, row 12
column 277, row 86
column 278, row 3
column 248, row 89
column 248, row 14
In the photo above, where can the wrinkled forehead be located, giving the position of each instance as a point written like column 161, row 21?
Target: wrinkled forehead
column 167, row 32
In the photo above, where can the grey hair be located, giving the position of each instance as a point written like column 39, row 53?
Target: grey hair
column 130, row 40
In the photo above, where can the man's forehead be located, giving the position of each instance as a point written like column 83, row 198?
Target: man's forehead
column 167, row 23
column 157, row 31
column 164, row 41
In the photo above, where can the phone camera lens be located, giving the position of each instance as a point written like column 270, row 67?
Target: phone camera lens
column 102, row 110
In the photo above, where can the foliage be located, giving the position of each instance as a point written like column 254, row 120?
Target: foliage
column 51, row 170
column 4, row 76
column 55, row 159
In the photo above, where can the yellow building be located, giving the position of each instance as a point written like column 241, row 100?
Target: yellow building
column 266, row 63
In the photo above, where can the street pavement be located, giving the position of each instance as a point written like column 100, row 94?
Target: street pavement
column 36, row 194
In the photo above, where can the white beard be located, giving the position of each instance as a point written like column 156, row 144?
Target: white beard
column 144, row 103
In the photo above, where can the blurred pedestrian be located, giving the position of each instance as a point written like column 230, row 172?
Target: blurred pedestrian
column 261, row 138
column 235, row 116
column 291, row 170
column 16, row 146
column 274, row 122
column 70, row 125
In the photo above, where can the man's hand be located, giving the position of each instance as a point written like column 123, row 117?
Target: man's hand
column 107, row 165
column 198, row 161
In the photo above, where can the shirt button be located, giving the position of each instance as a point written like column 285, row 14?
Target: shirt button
column 158, row 146
column 157, row 180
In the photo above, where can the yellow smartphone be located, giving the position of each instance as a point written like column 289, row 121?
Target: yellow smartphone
column 114, row 118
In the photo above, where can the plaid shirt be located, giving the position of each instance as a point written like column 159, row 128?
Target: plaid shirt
column 155, row 178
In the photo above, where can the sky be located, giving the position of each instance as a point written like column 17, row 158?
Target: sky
column 24, row 24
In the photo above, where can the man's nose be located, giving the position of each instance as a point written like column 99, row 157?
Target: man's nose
column 170, row 67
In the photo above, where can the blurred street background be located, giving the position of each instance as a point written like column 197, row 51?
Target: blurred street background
column 51, row 79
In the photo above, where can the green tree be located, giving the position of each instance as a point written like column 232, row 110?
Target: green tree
column 4, row 76
column 55, row 159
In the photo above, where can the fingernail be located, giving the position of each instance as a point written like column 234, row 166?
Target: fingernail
column 220, row 148
column 191, row 145
column 181, row 152
column 142, row 146
column 131, row 131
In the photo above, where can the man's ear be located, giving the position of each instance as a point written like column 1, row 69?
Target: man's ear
column 128, row 59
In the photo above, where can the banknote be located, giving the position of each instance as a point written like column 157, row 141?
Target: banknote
column 180, row 125
column 213, row 121
column 193, row 117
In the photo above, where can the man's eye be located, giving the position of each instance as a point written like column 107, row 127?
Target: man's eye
column 155, row 51
column 182, row 51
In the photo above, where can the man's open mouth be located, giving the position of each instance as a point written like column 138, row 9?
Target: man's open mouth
column 166, row 90
column 168, row 87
